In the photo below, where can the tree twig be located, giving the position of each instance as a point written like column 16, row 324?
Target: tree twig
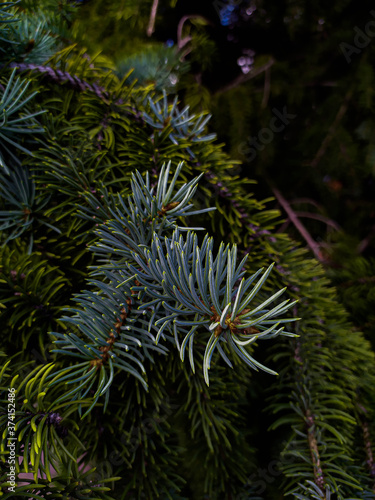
column 306, row 200
column 244, row 78
column 363, row 244
column 181, row 42
column 283, row 227
column 314, row 450
column 367, row 442
column 151, row 23
column 312, row 244
column 332, row 129
column 267, row 87
column 361, row 281
column 320, row 218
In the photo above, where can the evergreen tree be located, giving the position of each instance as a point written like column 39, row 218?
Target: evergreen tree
column 103, row 185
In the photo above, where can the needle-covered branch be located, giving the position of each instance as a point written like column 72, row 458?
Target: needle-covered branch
column 154, row 282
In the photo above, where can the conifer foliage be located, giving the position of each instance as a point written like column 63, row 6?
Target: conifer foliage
column 107, row 284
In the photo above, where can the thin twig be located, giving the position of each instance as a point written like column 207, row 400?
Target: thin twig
column 332, row 129
column 367, row 442
column 267, row 87
column 151, row 23
column 314, row 450
column 309, row 417
column 313, row 245
column 283, row 227
column 244, row 78
column 363, row 244
column 361, row 281
column 306, row 200
column 319, row 217
column 181, row 42
column 320, row 84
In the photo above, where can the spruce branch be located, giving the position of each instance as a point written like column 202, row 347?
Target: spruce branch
column 62, row 77
column 33, row 41
column 161, row 114
column 185, row 279
column 42, row 427
column 314, row 492
column 116, row 297
column 7, row 18
column 31, row 293
column 14, row 121
column 364, row 421
column 313, row 444
column 23, row 206
column 151, row 286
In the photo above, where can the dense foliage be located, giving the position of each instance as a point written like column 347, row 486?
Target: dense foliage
column 107, row 285
column 250, row 61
